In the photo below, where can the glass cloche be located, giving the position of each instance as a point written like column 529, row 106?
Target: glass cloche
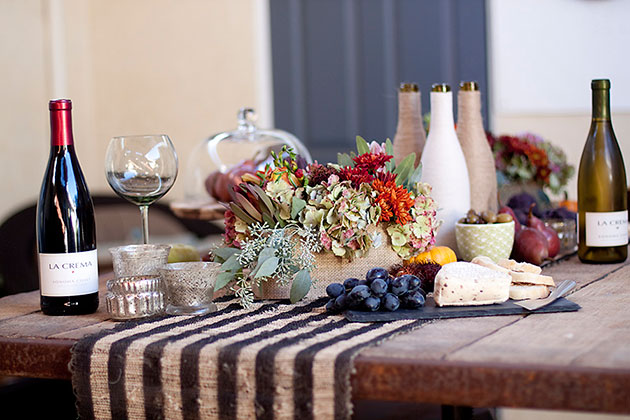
column 218, row 162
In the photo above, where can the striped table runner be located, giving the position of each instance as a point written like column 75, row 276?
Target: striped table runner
column 273, row 360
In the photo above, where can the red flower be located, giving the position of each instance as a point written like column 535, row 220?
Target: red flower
column 371, row 162
column 356, row 175
column 386, row 176
column 230, row 231
column 318, row 173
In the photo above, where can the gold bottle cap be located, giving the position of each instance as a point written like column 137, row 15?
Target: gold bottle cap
column 600, row 84
column 440, row 87
column 409, row 87
column 469, row 86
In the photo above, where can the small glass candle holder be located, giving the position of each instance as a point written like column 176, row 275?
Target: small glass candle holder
column 134, row 297
column 190, row 287
column 567, row 233
column 139, row 260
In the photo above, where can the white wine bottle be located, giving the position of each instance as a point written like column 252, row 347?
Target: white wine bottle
column 602, row 188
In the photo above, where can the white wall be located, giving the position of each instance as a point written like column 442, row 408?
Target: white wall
column 543, row 55
column 183, row 68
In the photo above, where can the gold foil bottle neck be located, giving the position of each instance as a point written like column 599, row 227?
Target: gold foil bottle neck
column 600, row 84
column 409, row 87
column 440, row 87
column 469, row 86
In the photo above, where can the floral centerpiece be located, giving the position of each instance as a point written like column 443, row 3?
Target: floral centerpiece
column 283, row 217
column 529, row 158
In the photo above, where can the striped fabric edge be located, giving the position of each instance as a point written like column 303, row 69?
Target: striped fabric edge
column 82, row 354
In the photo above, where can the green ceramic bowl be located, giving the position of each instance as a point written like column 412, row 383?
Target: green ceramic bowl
column 493, row 240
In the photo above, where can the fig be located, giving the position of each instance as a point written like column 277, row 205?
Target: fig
column 530, row 245
column 508, row 210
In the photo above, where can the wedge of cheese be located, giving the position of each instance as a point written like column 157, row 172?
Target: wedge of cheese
column 463, row 283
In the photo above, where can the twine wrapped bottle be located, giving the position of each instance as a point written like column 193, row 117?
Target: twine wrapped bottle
column 410, row 136
column 479, row 158
column 444, row 166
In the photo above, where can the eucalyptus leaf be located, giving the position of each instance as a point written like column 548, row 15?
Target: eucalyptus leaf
column 225, row 252
column 297, row 204
column 267, row 268
column 402, row 171
column 231, row 264
column 344, row 159
column 301, row 285
column 362, row 146
column 241, row 214
column 264, row 255
column 223, row 279
column 267, row 253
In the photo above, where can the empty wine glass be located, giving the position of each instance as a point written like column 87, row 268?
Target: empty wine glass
column 141, row 169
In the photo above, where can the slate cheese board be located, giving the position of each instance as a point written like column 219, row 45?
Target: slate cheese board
column 431, row 311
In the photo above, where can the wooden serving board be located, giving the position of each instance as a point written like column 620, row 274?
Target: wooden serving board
column 210, row 210
column 431, row 311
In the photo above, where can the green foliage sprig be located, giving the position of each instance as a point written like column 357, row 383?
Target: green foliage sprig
column 269, row 254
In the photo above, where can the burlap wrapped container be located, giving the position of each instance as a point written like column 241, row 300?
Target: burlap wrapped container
column 332, row 269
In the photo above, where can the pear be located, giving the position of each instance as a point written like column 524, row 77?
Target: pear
column 183, row 253
column 553, row 242
column 530, row 245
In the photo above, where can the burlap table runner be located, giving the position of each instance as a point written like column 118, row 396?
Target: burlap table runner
column 271, row 361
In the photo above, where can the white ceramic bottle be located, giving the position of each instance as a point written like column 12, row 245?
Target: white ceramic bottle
column 444, row 166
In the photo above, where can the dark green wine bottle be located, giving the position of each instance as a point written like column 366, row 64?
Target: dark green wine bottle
column 602, row 188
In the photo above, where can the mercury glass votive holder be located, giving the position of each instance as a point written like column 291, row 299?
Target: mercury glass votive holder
column 138, row 260
column 134, row 297
column 190, row 287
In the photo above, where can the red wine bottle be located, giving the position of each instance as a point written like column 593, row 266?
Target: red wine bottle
column 66, row 232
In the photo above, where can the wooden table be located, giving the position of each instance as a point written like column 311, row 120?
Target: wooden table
column 571, row 361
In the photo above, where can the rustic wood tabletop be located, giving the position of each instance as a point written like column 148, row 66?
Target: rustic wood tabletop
column 572, row 361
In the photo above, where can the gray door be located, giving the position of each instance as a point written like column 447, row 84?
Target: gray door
column 337, row 63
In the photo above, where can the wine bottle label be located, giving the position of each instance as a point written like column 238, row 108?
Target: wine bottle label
column 68, row 274
column 606, row 228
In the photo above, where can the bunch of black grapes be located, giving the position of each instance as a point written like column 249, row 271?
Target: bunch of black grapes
column 377, row 291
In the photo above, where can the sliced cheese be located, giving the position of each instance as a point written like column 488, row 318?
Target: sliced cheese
column 519, row 266
column 489, row 263
column 520, row 292
column 530, row 278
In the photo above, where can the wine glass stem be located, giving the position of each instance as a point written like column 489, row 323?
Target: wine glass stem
column 144, row 213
